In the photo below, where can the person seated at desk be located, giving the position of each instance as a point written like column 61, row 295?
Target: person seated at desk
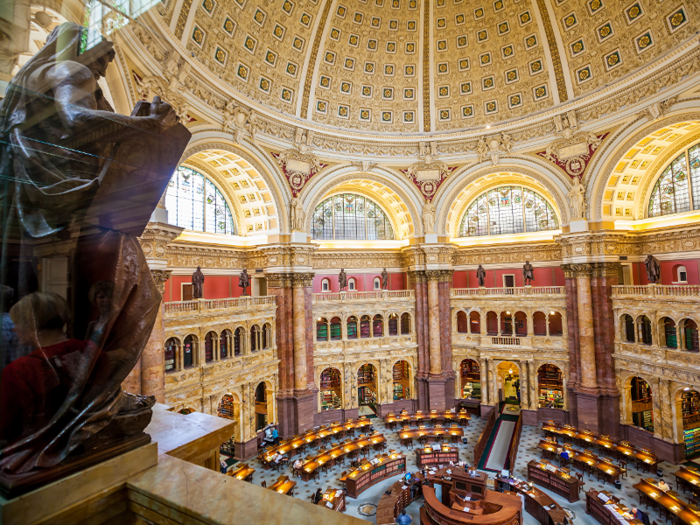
column 318, row 496
column 404, row 519
column 639, row 515
column 663, row 486
column 297, row 464
column 565, row 454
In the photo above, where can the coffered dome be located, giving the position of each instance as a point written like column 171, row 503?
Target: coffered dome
column 411, row 66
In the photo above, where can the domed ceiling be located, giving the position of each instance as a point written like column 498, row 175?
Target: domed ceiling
column 409, row 66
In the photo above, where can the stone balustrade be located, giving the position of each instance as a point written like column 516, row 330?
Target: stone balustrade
column 377, row 295
column 206, row 305
column 678, row 292
column 509, row 292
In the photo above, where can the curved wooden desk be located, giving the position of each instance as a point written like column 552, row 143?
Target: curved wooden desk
column 406, row 418
column 370, row 472
column 649, row 493
column 583, row 460
column 431, row 434
column 289, row 447
column 399, row 497
column 537, row 503
column 496, row 509
column 329, row 456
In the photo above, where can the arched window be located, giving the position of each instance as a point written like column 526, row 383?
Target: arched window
column 350, row 217
column 377, row 283
column 681, row 274
column 508, row 209
column 689, row 333
column 352, row 284
column 405, row 323
column 336, row 331
column 628, row 329
column 555, row 326
column 645, row 330
column 539, row 323
column 674, row 188
column 238, row 340
column 462, row 324
column 521, row 324
column 189, row 349
column 475, row 320
column 170, row 353
column 352, row 327
column 491, row 323
column 393, row 324
column 195, row 203
column 326, row 285
column 322, row 329
column 209, row 346
column 225, row 344
column 266, row 333
column 255, row 338
column 378, row 326
column 365, row 326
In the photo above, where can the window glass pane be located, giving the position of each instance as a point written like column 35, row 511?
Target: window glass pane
column 694, row 156
column 350, row 217
column 193, row 202
column 670, row 193
column 508, row 210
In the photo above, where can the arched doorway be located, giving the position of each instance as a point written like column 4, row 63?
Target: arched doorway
column 189, row 351
column 509, row 383
column 209, row 340
column 690, row 404
column 470, row 379
column 331, row 389
column 367, row 397
column 171, row 346
column 550, row 386
column 260, row 406
column 642, row 404
column 225, row 344
column 402, row 380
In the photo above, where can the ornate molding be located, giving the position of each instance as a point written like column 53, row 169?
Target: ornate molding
column 279, row 280
column 596, row 269
column 160, row 277
column 302, row 280
column 573, row 154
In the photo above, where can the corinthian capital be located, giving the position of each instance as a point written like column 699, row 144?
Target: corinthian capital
column 160, row 277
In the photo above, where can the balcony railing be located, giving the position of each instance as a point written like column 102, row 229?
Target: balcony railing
column 540, row 290
column 203, row 305
column 364, row 296
column 657, row 290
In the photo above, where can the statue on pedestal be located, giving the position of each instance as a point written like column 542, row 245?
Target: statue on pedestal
column 342, row 280
column 385, row 279
column 481, row 276
column 198, row 284
column 79, row 180
column 577, row 200
column 653, row 269
column 528, row 274
column 244, row 281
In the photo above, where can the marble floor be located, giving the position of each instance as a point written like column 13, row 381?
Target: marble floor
column 527, row 451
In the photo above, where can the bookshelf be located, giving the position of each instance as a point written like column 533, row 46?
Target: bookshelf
column 352, row 329
column 367, row 383
column 470, row 376
column 226, row 407
column 321, row 331
column 330, row 389
column 366, row 396
column 365, row 375
column 365, row 328
column 551, row 387
column 401, row 378
column 336, row 333
column 691, row 422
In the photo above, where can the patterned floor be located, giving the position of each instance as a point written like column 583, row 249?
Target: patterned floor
column 527, row 451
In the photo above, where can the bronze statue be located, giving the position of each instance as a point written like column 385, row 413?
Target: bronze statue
column 385, row 279
column 528, row 274
column 244, row 281
column 80, row 178
column 481, row 275
column 198, row 284
column 342, row 279
column 653, row 269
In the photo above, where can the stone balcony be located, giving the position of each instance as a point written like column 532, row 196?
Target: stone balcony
column 508, row 293
column 366, row 344
column 216, row 307
column 659, row 355
column 364, row 297
column 674, row 293
column 553, row 342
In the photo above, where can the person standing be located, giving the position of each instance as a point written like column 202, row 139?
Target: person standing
column 318, row 496
column 275, row 436
column 404, row 519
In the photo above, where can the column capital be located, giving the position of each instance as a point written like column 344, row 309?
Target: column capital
column 302, row 280
column 433, row 276
column 160, row 277
column 593, row 269
column 279, row 280
column 417, row 276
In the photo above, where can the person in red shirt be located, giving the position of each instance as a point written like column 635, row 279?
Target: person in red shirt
column 48, row 384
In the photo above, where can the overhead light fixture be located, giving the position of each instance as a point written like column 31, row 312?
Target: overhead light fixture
column 510, row 371
column 552, row 312
column 686, row 389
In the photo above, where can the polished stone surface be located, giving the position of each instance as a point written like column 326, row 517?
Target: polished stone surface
column 71, row 492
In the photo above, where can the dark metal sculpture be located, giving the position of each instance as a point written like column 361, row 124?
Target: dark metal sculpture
column 653, row 269
column 528, row 273
column 244, row 281
column 481, row 275
column 342, row 279
column 198, row 283
column 78, row 181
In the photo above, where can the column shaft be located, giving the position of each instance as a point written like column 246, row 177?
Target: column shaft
column 299, row 316
column 585, row 333
column 434, row 323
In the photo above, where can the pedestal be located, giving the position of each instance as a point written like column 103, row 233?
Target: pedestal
column 436, row 394
column 578, row 226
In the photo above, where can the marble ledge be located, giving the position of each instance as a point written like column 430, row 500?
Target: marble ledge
column 186, row 493
column 187, row 436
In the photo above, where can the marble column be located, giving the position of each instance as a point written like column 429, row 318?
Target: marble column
column 524, row 388
column 484, row 376
column 585, row 333
column 534, row 390
column 153, row 357
column 434, row 322
column 299, row 331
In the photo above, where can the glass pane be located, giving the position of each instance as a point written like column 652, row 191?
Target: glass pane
column 355, row 218
column 694, row 156
column 670, row 194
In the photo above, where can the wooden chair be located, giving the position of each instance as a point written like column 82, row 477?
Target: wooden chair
column 263, row 484
column 615, row 499
column 311, row 498
column 316, row 474
column 581, row 485
column 340, row 460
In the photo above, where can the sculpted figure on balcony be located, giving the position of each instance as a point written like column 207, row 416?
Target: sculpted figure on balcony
column 342, row 279
column 244, row 281
column 481, row 276
column 385, row 279
column 653, row 269
column 198, row 283
column 528, row 274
